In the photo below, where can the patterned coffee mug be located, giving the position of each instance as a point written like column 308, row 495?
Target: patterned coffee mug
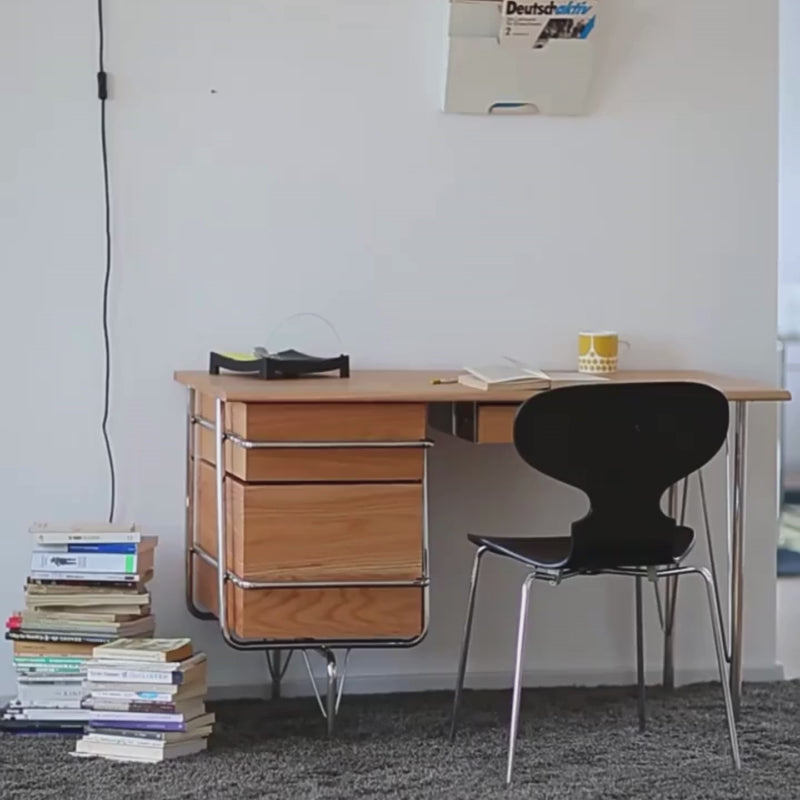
column 598, row 352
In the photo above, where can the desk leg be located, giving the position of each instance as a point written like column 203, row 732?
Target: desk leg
column 737, row 551
column 277, row 666
column 670, row 597
column 782, row 429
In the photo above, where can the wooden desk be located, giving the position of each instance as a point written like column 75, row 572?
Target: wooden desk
column 307, row 502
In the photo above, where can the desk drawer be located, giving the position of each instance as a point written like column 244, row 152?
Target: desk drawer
column 328, row 422
column 318, row 422
column 322, row 465
column 352, row 613
column 316, row 532
column 486, row 423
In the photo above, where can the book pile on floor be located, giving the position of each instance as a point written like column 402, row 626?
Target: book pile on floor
column 146, row 701
column 87, row 586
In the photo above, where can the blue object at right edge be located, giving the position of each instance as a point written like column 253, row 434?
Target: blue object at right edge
column 788, row 563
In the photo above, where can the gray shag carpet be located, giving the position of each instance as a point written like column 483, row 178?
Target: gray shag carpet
column 574, row 743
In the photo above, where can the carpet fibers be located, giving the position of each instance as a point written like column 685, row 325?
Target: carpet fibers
column 574, row 743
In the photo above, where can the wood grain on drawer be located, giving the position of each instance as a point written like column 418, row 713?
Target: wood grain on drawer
column 496, row 423
column 350, row 464
column 312, row 532
column 349, row 613
column 206, row 591
column 204, row 406
column 328, row 422
column 206, row 506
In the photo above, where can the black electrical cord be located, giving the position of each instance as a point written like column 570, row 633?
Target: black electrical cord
column 102, row 93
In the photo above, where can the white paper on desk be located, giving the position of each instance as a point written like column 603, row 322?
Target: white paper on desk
column 557, row 376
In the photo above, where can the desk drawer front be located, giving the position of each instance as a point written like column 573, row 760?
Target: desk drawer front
column 308, row 532
column 323, row 465
column 328, row 422
column 485, row 423
column 318, row 422
column 326, row 532
column 496, row 423
column 351, row 613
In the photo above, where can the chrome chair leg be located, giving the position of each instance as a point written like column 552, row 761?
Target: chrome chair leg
column 462, row 662
column 640, row 655
column 713, row 563
column 331, row 697
column 517, row 694
column 721, row 663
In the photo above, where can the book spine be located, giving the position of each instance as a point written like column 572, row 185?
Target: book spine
column 127, row 741
column 75, row 678
column 141, row 725
column 144, row 736
column 50, row 669
column 108, row 548
column 68, row 638
column 86, row 538
column 133, row 676
column 84, row 577
column 151, row 709
column 133, row 697
column 44, row 561
column 15, row 725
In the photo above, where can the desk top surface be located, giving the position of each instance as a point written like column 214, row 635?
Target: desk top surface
column 415, row 386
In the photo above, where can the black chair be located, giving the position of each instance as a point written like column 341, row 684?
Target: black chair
column 624, row 446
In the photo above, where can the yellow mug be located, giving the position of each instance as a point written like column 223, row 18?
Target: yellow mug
column 598, row 352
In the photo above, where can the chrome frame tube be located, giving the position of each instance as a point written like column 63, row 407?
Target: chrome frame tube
column 190, row 521
column 737, row 552
column 516, row 696
column 640, row 679
column 277, row 670
column 249, row 444
column 335, row 684
column 313, row 680
column 670, row 601
column 331, row 706
column 426, row 588
column 462, row 660
column 716, row 628
column 713, row 563
column 243, row 584
column 219, row 476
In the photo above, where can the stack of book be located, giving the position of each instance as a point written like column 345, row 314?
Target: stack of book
column 146, row 701
column 87, row 586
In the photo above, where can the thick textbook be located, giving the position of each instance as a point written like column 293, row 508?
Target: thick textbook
column 56, row 561
column 146, row 650
column 49, row 533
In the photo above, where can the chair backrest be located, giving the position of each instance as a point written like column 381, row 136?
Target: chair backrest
column 624, row 445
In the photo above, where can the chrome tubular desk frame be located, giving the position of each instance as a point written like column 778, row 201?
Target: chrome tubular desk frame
column 275, row 648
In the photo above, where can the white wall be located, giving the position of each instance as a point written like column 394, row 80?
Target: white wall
column 789, row 249
column 789, row 214
column 274, row 157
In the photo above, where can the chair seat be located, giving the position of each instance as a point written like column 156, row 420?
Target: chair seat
column 553, row 552
column 543, row 551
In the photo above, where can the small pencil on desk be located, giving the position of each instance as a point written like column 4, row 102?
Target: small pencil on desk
column 439, row 381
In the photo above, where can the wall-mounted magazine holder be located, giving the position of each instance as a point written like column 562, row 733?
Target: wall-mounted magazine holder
column 485, row 76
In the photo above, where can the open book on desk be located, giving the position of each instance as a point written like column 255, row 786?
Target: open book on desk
column 516, row 375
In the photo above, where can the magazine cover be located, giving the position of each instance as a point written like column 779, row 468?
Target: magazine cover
column 530, row 24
